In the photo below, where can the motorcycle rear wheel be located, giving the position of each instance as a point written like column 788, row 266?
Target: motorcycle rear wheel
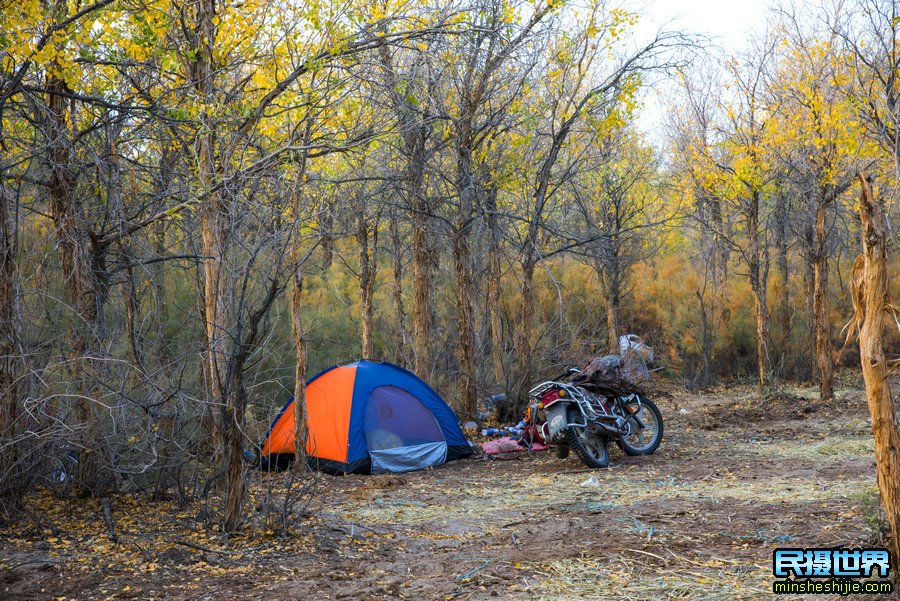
column 590, row 448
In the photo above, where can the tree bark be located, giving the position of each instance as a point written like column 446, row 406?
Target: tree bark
column 704, row 377
column 810, row 311
column 327, row 228
column 524, row 334
column 610, row 271
column 612, row 324
column 81, row 266
column 233, row 421
column 400, row 312
column 495, row 306
column 714, row 253
column 762, row 335
column 421, row 278
column 870, row 286
column 421, row 254
column 132, row 302
column 758, row 286
column 466, row 341
column 300, row 430
column 820, row 303
column 9, row 345
column 721, row 250
column 529, row 259
column 212, row 226
column 415, row 131
column 224, row 368
column 782, row 216
column 160, row 294
column 462, row 263
column 296, row 306
column 367, row 269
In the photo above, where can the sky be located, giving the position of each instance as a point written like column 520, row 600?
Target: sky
column 728, row 23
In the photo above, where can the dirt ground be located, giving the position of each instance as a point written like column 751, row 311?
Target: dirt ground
column 734, row 478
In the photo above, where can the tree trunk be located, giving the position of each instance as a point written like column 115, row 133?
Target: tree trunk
column 232, row 427
column 704, row 375
column 722, row 254
column 415, row 130
column 300, row 367
column 530, row 257
column 462, row 260
column 762, row 335
column 525, row 335
column 820, row 303
column 715, row 256
column 212, row 227
column 296, row 307
column 871, row 303
column 612, row 324
column 810, row 311
column 225, row 384
column 400, row 312
column 421, row 263
column 758, row 286
column 80, row 283
column 367, row 265
column 466, row 342
column 495, row 306
column 9, row 346
column 326, row 225
column 167, row 414
column 525, row 342
column 131, row 300
column 160, row 294
column 781, row 243
column 721, row 249
column 609, row 270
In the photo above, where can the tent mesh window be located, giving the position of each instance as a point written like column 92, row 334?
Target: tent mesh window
column 395, row 418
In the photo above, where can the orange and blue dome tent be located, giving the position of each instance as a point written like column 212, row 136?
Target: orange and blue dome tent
column 369, row 417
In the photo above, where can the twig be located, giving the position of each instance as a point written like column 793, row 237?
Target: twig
column 475, row 570
column 201, row 547
column 523, row 520
column 147, row 557
column 25, row 563
column 107, row 515
column 650, row 554
column 584, row 471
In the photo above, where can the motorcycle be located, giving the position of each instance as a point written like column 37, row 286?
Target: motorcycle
column 584, row 410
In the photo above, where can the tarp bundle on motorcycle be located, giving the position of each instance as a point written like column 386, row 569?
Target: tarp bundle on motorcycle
column 368, row 417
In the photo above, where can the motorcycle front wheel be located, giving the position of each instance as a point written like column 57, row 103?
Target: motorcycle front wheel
column 646, row 428
column 590, row 448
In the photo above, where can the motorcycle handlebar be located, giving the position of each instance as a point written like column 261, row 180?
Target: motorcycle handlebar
column 568, row 372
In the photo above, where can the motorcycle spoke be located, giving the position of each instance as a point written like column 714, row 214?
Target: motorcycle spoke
column 595, row 444
column 590, row 443
column 643, row 431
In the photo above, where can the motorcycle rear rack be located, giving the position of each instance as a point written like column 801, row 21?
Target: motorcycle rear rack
column 587, row 403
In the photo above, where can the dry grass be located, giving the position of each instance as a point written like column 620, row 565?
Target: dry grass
column 629, row 579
